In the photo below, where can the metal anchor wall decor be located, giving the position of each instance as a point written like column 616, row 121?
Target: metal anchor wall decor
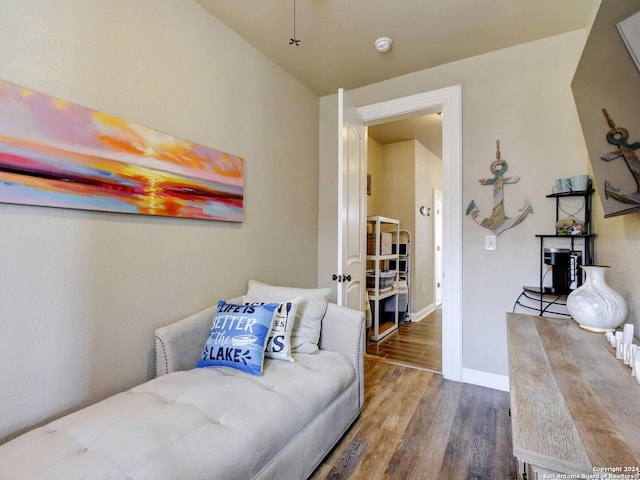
column 498, row 222
column 619, row 136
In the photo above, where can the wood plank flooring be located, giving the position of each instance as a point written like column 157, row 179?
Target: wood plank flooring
column 416, row 425
column 416, row 344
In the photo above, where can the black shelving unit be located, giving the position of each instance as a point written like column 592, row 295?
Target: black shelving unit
column 545, row 300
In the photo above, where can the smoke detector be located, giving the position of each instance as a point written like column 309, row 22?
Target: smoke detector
column 383, row 44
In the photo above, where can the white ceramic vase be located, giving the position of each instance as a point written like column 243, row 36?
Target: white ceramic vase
column 595, row 306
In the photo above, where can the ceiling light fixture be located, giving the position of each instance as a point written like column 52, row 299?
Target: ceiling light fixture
column 383, row 44
column 293, row 40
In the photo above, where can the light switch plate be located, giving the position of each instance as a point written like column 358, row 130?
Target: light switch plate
column 490, row 242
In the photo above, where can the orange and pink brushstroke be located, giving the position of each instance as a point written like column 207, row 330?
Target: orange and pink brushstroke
column 56, row 153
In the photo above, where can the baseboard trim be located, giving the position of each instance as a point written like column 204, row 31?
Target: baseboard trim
column 485, row 379
column 417, row 316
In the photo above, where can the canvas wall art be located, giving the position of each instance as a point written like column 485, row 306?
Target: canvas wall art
column 56, row 153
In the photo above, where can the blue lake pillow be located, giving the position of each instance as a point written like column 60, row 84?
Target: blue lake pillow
column 238, row 337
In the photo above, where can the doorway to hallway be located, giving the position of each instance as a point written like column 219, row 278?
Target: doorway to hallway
column 405, row 174
column 449, row 101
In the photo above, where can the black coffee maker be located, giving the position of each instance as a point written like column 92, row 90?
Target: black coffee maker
column 566, row 274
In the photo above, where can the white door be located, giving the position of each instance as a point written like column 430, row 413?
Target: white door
column 352, row 173
column 437, row 242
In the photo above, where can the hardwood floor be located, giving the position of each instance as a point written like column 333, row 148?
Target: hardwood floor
column 416, row 425
column 417, row 344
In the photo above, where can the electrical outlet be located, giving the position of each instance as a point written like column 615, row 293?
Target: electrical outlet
column 490, row 242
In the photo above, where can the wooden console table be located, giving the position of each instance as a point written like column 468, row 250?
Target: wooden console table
column 575, row 409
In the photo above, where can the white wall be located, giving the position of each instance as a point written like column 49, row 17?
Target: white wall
column 82, row 292
column 398, row 173
column 374, row 168
column 520, row 95
column 428, row 177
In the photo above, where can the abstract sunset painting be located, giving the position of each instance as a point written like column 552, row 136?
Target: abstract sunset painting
column 56, row 153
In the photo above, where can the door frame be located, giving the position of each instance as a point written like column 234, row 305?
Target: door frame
column 437, row 242
column 449, row 99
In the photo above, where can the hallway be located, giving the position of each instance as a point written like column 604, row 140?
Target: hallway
column 414, row 344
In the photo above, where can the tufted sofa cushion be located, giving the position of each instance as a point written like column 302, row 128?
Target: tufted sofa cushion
column 208, row 423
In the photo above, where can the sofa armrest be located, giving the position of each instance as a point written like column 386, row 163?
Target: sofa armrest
column 178, row 346
column 343, row 330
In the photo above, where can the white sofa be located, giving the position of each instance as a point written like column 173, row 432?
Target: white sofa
column 207, row 423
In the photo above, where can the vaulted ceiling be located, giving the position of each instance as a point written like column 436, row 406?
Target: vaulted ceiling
column 336, row 47
column 337, row 36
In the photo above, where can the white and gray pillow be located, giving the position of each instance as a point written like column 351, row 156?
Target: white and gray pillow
column 311, row 309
